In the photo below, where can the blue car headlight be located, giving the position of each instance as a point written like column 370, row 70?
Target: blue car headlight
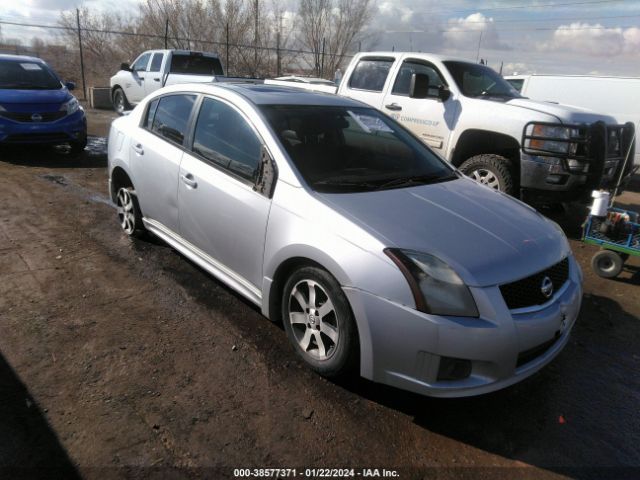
column 71, row 107
column 436, row 287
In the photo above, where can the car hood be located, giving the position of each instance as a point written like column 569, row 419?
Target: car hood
column 486, row 236
column 564, row 113
column 17, row 100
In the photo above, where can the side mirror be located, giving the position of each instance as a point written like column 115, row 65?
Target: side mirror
column 267, row 174
column 125, row 66
column 444, row 93
column 70, row 85
column 419, row 86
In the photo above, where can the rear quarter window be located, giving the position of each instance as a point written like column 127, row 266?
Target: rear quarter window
column 371, row 74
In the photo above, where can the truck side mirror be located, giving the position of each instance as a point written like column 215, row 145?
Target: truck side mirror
column 444, row 93
column 419, row 86
column 125, row 66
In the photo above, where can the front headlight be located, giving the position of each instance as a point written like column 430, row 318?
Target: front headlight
column 550, row 138
column 436, row 287
column 71, row 107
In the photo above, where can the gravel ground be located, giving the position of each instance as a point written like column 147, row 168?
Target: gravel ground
column 121, row 358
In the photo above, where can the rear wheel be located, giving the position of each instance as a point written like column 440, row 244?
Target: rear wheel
column 120, row 102
column 129, row 213
column 319, row 322
column 607, row 264
column 491, row 170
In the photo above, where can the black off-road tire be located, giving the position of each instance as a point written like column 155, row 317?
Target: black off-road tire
column 500, row 167
column 607, row 264
column 341, row 359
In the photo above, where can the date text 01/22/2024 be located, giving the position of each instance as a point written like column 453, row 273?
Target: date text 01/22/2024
column 314, row 473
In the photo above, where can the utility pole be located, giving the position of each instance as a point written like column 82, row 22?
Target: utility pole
column 479, row 43
column 166, row 33
column 322, row 59
column 278, row 47
column 226, row 66
column 84, row 85
column 255, row 40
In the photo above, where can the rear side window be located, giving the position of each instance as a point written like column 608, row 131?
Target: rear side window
column 156, row 62
column 172, row 117
column 403, row 79
column 195, row 65
column 371, row 74
column 225, row 138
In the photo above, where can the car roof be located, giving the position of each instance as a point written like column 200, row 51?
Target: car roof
column 20, row 58
column 261, row 94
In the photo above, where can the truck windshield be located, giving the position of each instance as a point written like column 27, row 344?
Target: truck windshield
column 475, row 80
column 190, row 64
column 341, row 149
column 25, row 75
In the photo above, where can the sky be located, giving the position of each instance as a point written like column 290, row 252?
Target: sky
column 599, row 37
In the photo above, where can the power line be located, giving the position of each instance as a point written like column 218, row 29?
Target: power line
column 559, row 19
column 517, row 7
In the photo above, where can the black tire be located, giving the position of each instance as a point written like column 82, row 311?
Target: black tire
column 120, row 102
column 78, row 147
column 341, row 355
column 607, row 264
column 129, row 214
column 483, row 168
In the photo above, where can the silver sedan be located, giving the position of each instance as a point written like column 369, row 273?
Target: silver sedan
column 377, row 255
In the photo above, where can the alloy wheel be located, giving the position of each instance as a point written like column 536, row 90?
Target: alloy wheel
column 126, row 213
column 313, row 319
column 486, row 177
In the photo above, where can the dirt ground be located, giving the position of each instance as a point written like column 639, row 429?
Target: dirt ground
column 121, row 358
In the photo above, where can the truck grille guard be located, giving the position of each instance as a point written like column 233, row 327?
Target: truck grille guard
column 597, row 144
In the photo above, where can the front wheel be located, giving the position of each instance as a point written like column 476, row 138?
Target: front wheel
column 607, row 264
column 319, row 322
column 491, row 170
column 129, row 213
column 120, row 103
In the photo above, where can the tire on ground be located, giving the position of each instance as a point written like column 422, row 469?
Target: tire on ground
column 607, row 264
column 120, row 102
column 500, row 166
column 342, row 358
column 129, row 214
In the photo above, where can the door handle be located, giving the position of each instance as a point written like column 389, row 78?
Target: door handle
column 138, row 149
column 156, row 79
column 189, row 180
column 393, row 106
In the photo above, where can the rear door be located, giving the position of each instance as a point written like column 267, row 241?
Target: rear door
column 431, row 119
column 153, row 78
column 368, row 80
column 156, row 153
column 220, row 212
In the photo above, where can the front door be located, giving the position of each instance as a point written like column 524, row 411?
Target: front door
column 220, row 212
column 135, row 89
column 431, row 119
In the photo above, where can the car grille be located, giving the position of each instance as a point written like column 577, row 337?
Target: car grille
column 528, row 291
column 614, row 141
column 27, row 117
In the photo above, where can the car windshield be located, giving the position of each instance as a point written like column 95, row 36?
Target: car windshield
column 480, row 81
column 25, row 75
column 341, row 149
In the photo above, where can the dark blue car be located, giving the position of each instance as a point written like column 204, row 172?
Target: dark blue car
column 36, row 107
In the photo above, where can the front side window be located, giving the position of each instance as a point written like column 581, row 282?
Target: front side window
column 225, row 138
column 475, row 80
column 16, row 75
column 353, row 149
column 140, row 64
column 408, row 68
column 371, row 74
column 156, row 62
column 172, row 117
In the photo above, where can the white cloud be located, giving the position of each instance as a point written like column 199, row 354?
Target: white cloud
column 595, row 40
column 464, row 33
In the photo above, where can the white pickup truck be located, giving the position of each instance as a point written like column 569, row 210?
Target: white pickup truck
column 469, row 114
column 154, row 69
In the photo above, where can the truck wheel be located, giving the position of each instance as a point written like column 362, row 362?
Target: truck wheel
column 120, row 103
column 607, row 264
column 491, row 170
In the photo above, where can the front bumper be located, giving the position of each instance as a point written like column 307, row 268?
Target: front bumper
column 71, row 128
column 597, row 163
column 405, row 348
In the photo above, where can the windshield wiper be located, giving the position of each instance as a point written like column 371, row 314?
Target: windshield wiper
column 346, row 183
column 417, row 180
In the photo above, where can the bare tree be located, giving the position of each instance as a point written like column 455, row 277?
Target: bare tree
column 331, row 28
